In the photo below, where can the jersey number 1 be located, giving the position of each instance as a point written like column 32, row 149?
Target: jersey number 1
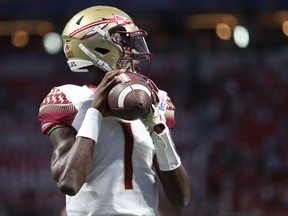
column 128, row 150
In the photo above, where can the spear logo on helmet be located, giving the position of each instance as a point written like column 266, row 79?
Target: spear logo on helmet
column 101, row 24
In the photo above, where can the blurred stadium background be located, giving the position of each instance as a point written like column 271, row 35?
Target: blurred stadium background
column 224, row 64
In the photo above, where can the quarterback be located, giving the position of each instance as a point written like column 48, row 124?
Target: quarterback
column 106, row 165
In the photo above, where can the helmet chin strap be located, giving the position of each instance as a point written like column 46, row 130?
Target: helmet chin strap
column 100, row 63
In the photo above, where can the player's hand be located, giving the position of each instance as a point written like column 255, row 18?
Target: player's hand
column 154, row 120
column 110, row 79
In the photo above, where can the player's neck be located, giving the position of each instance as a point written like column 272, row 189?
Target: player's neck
column 96, row 77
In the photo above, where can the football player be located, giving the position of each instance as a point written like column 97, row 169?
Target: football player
column 106, row 165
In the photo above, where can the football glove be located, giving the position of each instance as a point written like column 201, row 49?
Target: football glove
column 156, row 114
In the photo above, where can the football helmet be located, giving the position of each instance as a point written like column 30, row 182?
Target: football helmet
column 106, row 37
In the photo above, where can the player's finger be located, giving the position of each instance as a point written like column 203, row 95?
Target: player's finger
column 112, row 78
column 111, row 74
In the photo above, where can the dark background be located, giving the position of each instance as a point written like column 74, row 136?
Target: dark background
column 231, row 104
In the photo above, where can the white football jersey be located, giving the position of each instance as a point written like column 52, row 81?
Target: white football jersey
column 121, row 180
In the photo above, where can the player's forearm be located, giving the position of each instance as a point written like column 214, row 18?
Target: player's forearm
column 70, row 169
column 176, row 185
column 72, row 158
column 172, row 174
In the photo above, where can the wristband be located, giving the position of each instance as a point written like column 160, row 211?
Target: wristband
column 166, row 154
column 91, row 124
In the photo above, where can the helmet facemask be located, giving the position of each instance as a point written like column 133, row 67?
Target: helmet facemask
column 135, row 53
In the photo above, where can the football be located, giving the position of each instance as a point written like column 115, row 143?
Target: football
column 131, row 98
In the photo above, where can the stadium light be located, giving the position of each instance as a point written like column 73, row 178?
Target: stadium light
column 20, row 38
column 52, row 43
column 223, row 31
column 241, row 36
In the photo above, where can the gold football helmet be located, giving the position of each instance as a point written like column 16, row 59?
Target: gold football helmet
column 106, row 37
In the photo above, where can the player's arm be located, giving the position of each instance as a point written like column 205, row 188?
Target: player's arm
column 71, row 159
column 171, row 172
column 167, row 162
column 73, row 151
column 175, row 183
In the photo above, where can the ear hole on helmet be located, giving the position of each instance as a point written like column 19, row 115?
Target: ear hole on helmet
column 118, row 35
column 101, row 50
column 116, row 28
